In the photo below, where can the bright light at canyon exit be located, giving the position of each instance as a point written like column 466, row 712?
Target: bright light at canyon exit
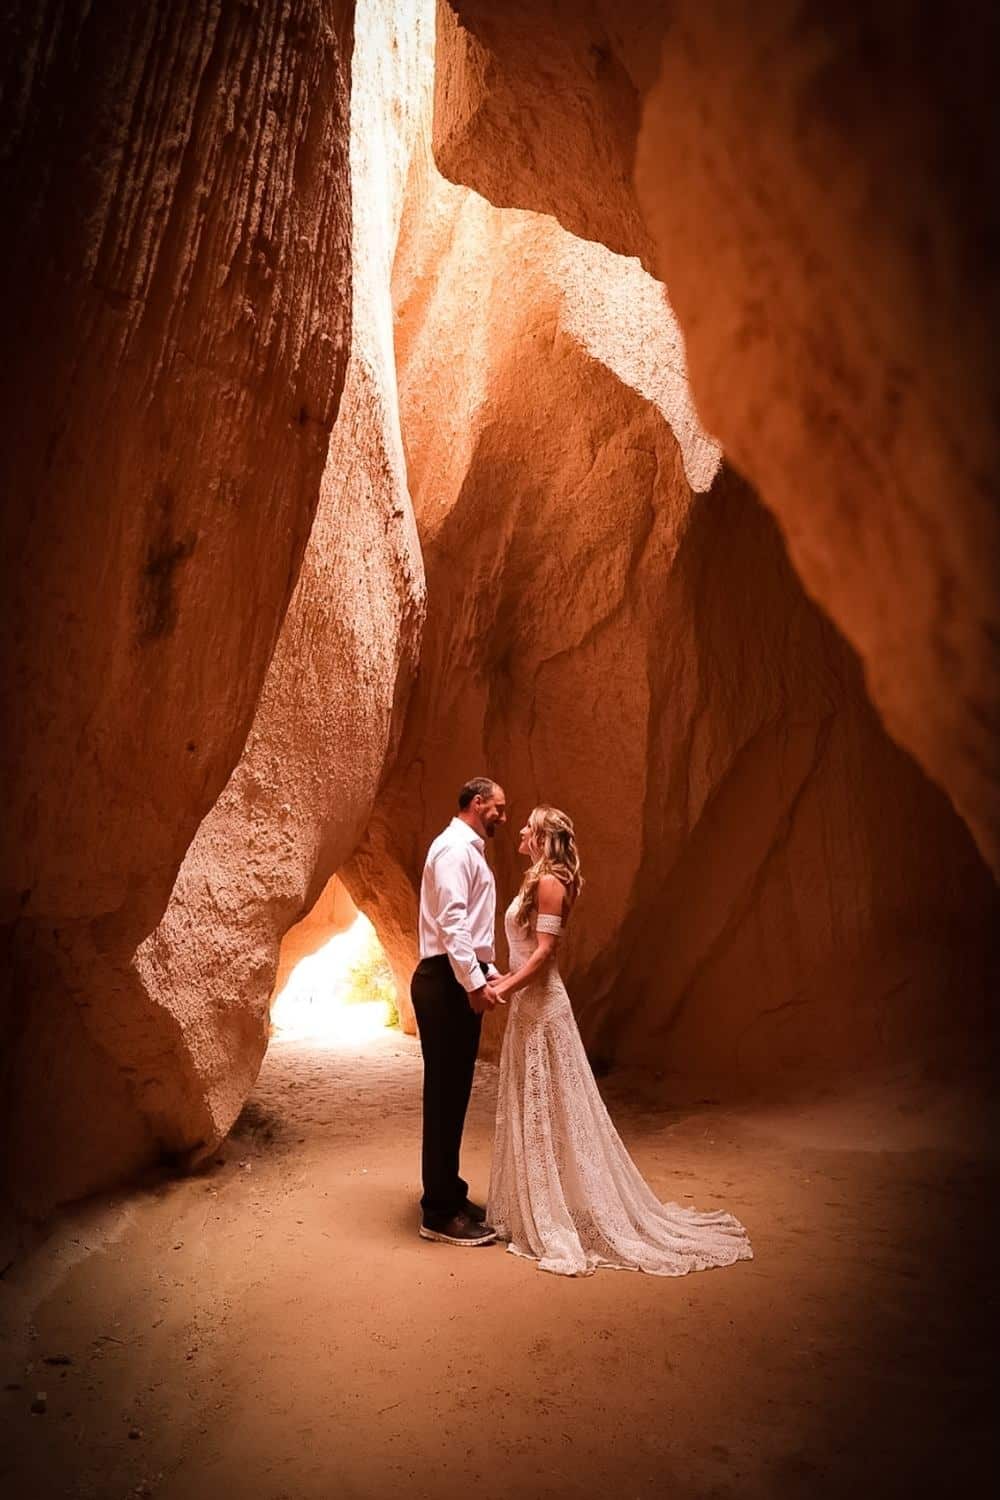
column 338, row 995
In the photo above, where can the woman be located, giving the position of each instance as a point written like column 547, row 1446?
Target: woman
column 563, row 1190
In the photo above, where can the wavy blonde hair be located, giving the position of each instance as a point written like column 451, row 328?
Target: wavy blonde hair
column 553, row 835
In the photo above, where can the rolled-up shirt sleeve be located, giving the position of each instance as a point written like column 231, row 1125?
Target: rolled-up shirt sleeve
column 449, row 909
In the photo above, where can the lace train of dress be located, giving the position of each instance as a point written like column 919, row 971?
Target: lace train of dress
column 563, row 1189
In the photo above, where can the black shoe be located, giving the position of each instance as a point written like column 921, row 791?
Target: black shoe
column 461, row 1230
column 474, row 1211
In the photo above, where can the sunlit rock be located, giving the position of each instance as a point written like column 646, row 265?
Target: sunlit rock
column 775, row 890
column 813, row 186
column 299, row 799
column 213, row 663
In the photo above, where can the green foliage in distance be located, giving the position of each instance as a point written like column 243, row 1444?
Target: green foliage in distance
column 370, row 978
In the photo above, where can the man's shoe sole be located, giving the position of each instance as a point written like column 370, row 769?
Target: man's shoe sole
column 488, row 1238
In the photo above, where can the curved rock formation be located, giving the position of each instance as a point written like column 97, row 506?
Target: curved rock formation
column 813, row 187
column 177, row 331
column 300, row 797
column 775, row 891
column 214, row 613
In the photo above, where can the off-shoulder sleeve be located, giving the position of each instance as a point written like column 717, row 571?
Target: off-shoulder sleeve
column 546, row 923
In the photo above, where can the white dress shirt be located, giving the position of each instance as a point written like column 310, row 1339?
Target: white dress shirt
column 458, row 904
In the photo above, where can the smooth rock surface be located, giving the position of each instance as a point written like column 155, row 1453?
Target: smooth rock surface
column 775, row 891
column 814, row 189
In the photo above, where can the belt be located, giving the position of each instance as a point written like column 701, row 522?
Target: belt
column 440, row 960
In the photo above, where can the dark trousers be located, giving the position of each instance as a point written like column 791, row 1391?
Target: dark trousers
column 449, row 1041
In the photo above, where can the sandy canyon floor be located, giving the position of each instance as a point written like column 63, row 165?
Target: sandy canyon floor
column 274, row 1329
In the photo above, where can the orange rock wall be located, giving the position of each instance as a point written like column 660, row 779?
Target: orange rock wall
column 176, row 338
column 299, row 799
column 775, row 891
column 812, row 184
column 213, row 609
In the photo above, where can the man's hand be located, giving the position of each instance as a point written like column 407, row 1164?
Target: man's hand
column 484, row 999
column 480, row 1000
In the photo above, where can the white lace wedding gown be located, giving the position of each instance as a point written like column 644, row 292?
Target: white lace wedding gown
column 563, row 1189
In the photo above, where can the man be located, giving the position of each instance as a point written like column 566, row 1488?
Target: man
column 450, row 992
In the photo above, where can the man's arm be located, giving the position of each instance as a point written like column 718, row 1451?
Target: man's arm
column 451, row 898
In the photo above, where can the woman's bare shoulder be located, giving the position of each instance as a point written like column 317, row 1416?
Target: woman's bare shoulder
column 551, row 894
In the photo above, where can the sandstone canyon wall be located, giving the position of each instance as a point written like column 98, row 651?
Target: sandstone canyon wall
column 177, row 266
column 813, row 185
column 212, row 658
column 775, row 891
column 298, row 802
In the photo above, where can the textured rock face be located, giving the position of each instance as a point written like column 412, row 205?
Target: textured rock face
column 775, row 891
column 539, row 106
column 300, row 797
column 812, row 187
column 172, row 401
column 176, row 343
column 215, row 613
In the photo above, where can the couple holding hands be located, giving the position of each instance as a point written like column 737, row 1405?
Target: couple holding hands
column 563, row 1190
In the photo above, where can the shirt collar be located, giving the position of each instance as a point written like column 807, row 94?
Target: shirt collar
column 459, row 826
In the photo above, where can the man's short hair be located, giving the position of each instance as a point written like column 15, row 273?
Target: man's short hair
column 479, row 786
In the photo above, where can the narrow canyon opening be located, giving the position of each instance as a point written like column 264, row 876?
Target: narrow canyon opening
column 600, row 397
column 334, row 983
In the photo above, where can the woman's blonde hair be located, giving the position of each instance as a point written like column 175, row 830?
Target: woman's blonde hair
column 553, row 836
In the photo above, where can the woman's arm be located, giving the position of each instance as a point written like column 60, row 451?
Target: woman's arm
column 551, row 903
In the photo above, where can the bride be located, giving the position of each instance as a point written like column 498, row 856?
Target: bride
column 563, row 1189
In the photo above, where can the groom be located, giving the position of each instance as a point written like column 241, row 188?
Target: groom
column 450, row 992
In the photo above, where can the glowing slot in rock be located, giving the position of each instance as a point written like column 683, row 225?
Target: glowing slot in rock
column 342, row 992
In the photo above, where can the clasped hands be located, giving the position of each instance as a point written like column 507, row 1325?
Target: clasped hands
column 486, row 998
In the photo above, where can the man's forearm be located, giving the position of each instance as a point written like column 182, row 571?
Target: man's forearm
column 458, row 945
